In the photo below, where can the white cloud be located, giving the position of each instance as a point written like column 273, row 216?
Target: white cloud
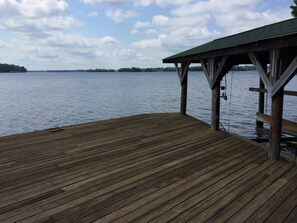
column 32, row 8
column 101, row 54
column 191, row 23
column 151, row 31
column 161, row 20
column 74, row 41
column 143, row 2
column 119, row 15
column 33, row 16
column 255, row 19
column 64, row 51
column 147, row 43
column 243, row 14
column 93, row 2
column 140, row 24
column 134, row 31
column 214, row 6
column 93, row 14
column 37, row 8
column 164, row 3
column 4, row 43
column 123, row 53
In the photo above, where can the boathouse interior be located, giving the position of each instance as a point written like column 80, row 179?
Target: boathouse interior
column 272, row 49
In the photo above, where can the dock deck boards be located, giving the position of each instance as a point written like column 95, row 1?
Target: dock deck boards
column 145, row 168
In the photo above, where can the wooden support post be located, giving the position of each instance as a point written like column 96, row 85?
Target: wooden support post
column 184, row 88
column 261, row 103
column 276, row 125
column 215, row 69
column 215, row 107
column 277, row 64
column 183, row 101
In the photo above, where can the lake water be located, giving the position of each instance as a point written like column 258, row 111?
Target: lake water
column 34, row 101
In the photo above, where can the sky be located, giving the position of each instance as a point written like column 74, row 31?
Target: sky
column 110, row 34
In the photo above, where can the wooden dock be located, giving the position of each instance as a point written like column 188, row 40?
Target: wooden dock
column 145, row 168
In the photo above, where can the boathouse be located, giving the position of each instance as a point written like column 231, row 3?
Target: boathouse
column 272, row 49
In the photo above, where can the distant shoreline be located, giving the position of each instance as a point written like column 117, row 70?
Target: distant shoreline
column 136, row 69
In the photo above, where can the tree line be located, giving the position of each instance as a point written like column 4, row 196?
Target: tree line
column 164, row 69
column 8, row 68
column 294, row 9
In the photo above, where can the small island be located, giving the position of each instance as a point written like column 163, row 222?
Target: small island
column 9, row 68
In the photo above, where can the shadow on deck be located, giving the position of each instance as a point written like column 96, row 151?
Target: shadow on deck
column 154, row 167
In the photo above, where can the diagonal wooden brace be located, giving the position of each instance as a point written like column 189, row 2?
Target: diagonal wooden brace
column 181, row 72
column 261, row 70
column 285, row 77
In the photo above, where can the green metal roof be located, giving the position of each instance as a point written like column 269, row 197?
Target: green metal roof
column 284, row 28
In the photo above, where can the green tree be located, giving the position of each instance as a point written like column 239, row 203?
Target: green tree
column 294, row 9
column 6, row 68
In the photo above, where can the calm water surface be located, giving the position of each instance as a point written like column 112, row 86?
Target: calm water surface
column 35, row 101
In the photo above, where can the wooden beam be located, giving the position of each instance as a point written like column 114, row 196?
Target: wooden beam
column 205, row 70
column 184, row 88
column 276, row 107
column 287, row 125
column 285, row 77
column 219, row 72
column 211, row 68
column 215, row 107
column 274, row 66
column 276, row 125
column 288, row 93
column 179, row 74
column 261, row 70
column 261, row 102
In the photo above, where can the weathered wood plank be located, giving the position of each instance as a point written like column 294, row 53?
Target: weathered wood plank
column 278, row 198
column 261, row 89
column 150, row 167
column 287, row 126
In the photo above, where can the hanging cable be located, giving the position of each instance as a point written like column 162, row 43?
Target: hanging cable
column 222, row 127
column 224, row 88
column 266, row 100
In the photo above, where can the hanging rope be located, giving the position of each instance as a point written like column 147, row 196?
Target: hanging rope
column 266, row 100
column 230, row 101
column 222, row 127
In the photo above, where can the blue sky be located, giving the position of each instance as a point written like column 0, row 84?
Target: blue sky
column 82, row 34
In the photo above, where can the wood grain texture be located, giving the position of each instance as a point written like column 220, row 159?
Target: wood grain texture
column 144, row 168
